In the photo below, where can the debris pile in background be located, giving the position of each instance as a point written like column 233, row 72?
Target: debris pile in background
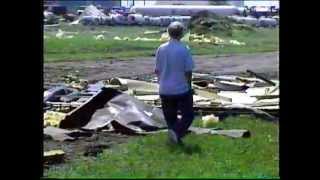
column 92, row 16
column 50, row 18
column 204, row 23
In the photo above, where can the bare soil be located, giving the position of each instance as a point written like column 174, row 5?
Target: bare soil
column 265, row 63
column 84, row 147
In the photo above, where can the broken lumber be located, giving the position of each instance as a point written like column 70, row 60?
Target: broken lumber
column 66, row 104
column 142, row 92
column 256, row 111
column 234, row 133
column 262, row 78
column 261, row 97
column 81, row 115
column 53, row 156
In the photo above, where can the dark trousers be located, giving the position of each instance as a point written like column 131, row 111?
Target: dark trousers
column 183, row 103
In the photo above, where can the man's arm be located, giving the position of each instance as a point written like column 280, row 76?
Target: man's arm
column 188, row 75
column 157, row 73
column 188, row 68
column 157, row 65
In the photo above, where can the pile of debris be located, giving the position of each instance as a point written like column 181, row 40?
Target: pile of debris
column 132, row 106
column 213, row 95
column 205, row 23
column 202, row 22
column 50, row 18
column 93, row 16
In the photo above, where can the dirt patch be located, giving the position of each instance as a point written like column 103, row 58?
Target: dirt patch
column 266, row 63
column 89, row 147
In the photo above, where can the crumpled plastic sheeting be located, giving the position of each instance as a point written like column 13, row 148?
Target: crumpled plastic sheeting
column 125, row 112
column 64, row 134
column 101, row 118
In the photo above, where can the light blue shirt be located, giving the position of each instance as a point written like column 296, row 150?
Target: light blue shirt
column 173, row 59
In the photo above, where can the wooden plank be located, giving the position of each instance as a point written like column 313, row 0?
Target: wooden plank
column 234, row 133
column 266, row 97
column 72, row 104
column 53, row 156
column 82, row 114
column 262, row 78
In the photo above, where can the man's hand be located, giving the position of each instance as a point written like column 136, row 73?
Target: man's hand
column 158, row 75
column 189, row 78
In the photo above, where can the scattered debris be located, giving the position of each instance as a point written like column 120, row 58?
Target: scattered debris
column 52, row 118
column 236, row 133
column 132, row 106
column 235, row 42
column 99, row 37
column 53, row 157
column 59, row 134
column 94, row 150
column 117, row 38
column 260, row 77
column 63, row 35
column 152, row 32
column 188, row 37
column 213, row 94
column 233, row 133
column 209, row 120
column 59, row 34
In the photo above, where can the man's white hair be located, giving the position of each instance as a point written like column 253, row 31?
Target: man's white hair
column 176, row 29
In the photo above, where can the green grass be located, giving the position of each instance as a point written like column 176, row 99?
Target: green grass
column 206, row 156
column 84, row 47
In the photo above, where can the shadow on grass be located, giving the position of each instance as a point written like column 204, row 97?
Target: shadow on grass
column 184, row 148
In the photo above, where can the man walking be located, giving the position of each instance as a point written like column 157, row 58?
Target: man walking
column 173, row 67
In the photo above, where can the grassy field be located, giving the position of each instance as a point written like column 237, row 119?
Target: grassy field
column 84, row 47
column 206, row 156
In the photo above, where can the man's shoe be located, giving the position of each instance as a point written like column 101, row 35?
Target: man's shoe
column 180, row 142
column 173, row 136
